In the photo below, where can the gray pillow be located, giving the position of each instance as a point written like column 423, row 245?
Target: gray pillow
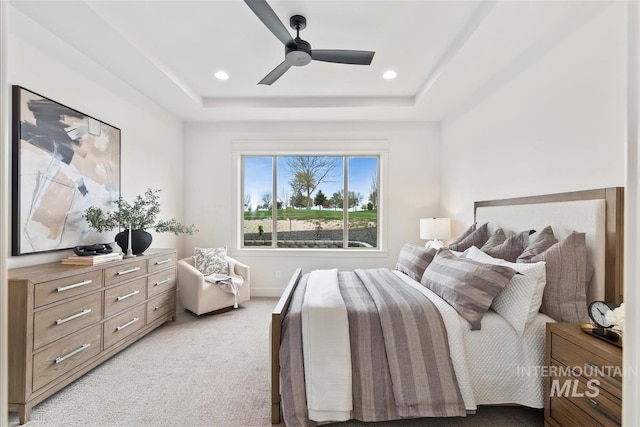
column 461, row 237
column 507, row 248
column 544, row 241
column 565, row 294
column 468, row 286
column 413, row 260
column 477, row 238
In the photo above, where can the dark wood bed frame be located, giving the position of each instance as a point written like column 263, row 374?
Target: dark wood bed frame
column 614, row 197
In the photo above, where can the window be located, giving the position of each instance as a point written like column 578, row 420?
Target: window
column 298, row 201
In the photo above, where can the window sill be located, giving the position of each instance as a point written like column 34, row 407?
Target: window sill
column 307, row 252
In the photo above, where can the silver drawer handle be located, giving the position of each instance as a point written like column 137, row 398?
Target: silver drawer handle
column 75, row 316
column 131, row 270
column 75, row 285
column 129, row 323
column 161, row 305
column 608, row 378
column 162, row 282
column 130, row 294
column 164, row 261
column 73, row 353
column 600, row 409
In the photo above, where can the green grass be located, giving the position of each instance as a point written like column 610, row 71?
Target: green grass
column 313, row 214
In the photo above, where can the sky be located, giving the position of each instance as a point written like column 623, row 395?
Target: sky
column 258, row 175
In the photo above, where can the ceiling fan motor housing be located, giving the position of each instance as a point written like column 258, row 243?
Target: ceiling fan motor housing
column 299, row 56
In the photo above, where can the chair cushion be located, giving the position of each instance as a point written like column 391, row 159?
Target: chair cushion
column 211, row 260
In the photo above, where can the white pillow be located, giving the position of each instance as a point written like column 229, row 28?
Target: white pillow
column 520, row 301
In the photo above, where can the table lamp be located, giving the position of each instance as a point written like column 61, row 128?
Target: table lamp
column 434, row 229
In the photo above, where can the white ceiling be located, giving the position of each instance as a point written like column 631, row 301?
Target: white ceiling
column 448, row 54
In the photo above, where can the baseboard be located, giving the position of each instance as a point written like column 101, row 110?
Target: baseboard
column 265, row 292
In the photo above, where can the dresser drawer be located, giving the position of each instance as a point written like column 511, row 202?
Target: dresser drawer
column 56, row 290
column 592, row 364
column 122, row 272
column 121, row 297
column 161, row 282
column 161, row 262
column 63, row 319
column 123, row 325
column 65, row 355
column 568, row 415
column 160, row 306
column 591, row 398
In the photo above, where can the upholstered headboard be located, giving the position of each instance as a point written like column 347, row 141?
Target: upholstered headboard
column 598, row 213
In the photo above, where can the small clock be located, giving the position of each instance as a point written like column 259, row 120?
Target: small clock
column 598, row 311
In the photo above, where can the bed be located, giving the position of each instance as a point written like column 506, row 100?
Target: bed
column 490, row 364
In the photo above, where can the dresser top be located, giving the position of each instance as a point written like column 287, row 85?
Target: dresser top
column 46, row 271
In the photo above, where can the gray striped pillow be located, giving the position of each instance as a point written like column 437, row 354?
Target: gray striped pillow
column 468, row 286
column 565, row 295
column 413, row 260
column 545, row 240
column 507, row 248
column 461, row 237
column 477, row 238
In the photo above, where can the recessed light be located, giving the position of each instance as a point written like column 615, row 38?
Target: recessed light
column 389, row 75
column 221, row 75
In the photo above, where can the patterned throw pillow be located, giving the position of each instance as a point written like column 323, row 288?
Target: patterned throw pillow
column 211, row 260
column 565, row 295
column 507, row 248
column 468, row 286
column 413, row 260
column 476, row 238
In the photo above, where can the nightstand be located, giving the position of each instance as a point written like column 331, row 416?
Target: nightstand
column 583, row 384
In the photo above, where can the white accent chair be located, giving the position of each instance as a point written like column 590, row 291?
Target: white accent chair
column 200, row 296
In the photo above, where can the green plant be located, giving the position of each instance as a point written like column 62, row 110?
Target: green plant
column 139, row 215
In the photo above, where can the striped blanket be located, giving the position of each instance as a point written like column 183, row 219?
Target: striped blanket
column 401, row 366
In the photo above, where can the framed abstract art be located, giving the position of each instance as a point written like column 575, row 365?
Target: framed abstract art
column 63, row 161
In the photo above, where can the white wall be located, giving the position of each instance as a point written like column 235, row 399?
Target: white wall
column 557, row 126
column 5, row 106
column 412, row 190
column 151, row 138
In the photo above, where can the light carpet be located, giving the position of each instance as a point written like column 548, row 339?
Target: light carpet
column 209, row 370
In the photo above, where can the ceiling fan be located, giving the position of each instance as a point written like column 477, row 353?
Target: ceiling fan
column 298, row 52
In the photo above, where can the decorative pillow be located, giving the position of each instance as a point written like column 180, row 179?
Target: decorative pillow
column 477, row 238
column 211, row 260
column 467, row 285
column 507, row 248
column 565, row 294
column 413, row 260
column 520, row 301
column 542, row 242
column 461, row 237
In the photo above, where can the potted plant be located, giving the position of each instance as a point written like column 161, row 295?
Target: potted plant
column 139, row 216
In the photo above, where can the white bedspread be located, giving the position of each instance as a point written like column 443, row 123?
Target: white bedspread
column 490, row 364
column 493, row 365
column 326, row 348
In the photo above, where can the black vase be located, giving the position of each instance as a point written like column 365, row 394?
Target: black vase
column 140, row 241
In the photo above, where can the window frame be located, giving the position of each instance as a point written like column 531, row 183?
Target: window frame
column 359, row 148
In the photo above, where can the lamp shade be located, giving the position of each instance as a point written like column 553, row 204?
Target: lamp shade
column 435, row 228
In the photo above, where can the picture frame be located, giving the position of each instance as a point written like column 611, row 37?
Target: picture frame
column 63, row 161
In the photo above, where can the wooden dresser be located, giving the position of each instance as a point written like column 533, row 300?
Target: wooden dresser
column 65, row 320
column 584, row 382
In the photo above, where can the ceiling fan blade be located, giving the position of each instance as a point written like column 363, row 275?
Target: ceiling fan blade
column 275, row 74
column 269, row 18
column 357, row 57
